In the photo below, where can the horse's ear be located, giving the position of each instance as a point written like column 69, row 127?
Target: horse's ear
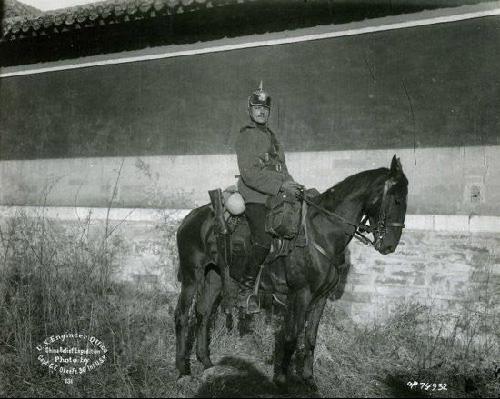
column 396, row 167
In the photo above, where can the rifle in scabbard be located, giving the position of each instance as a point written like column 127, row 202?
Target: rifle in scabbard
column 223, row 239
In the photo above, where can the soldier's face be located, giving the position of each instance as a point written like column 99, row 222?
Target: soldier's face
column 259, row 114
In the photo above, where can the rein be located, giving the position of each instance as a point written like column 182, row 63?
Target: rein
column 362, row 228
column 359, row 229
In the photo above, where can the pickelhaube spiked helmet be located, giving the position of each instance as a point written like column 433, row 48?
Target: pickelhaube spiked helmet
column 259, row 97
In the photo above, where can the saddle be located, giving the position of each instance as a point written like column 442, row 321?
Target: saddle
column 285, row 221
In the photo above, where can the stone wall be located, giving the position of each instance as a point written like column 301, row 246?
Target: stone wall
column 447, row 270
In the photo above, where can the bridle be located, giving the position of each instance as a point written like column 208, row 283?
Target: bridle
column 382, row 223
column 360, row 229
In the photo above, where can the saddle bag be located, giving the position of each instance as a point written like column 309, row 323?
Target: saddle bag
column 283, row 216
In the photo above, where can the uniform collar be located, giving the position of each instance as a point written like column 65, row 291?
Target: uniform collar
column 262, row 128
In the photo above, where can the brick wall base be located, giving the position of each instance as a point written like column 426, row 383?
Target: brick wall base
column 451, row 271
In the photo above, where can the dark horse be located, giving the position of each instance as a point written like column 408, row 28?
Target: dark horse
column 307, row 276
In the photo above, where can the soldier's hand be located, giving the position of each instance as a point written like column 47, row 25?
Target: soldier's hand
column 291, row 187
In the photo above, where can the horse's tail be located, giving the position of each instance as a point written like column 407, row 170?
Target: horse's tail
column 177, row 238
column 179, row 265
column 189, row 244
column 180, row 237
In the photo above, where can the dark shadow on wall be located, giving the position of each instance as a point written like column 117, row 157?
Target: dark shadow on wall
column 392, row 89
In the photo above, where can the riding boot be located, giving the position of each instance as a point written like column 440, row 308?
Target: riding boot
column 248, row 282
column 249, row 301
column 257, row 257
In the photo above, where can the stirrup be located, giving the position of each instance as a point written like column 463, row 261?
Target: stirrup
column 255, row 293
column 275, row 297
column 248, row 283
column 255, row 310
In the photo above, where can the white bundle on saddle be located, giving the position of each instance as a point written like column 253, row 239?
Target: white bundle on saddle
column 233, row 201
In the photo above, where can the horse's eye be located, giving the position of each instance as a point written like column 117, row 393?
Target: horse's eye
column 398, row 202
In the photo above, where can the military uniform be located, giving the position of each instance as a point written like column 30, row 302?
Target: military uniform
column 261, row 161
column 263, row 172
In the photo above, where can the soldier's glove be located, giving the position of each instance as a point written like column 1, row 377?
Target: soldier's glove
column 292, row 189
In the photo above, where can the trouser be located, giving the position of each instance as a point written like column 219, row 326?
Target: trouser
column 261, row 241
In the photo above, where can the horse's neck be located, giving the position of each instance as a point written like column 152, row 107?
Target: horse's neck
column 354, row 196
column 329, row 232
column 350, row 207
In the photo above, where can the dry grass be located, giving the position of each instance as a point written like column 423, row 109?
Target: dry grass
column 380, row 360
column 55, row 280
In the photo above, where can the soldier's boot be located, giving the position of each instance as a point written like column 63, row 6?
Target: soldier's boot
column 248, row 282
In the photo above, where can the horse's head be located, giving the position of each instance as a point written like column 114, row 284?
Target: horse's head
column 387, row 213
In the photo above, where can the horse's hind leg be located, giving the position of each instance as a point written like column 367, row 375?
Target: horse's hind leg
column 184, row 341
column 207, row 301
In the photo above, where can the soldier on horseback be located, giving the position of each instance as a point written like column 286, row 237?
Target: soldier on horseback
column 309, row 270
column 263, row 174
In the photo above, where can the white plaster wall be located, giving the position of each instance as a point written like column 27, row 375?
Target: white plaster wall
column 440, row 179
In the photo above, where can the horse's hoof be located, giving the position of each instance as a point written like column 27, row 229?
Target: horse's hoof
column 183, row 366
column 280, row 380
column 310, row 383
column 184, row 379
column 208, row 365
column 184, row 371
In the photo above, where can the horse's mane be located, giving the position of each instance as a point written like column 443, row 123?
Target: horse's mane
column 366, row 181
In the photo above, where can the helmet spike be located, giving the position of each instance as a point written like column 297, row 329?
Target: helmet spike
column 260, row 97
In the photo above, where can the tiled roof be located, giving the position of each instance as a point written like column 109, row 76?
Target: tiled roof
column 118, row 12
column 98, row 14
column 14, row 8
column 115, row 26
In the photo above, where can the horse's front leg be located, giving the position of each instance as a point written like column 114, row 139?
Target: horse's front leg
column 286, row 340
column 311, row 333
